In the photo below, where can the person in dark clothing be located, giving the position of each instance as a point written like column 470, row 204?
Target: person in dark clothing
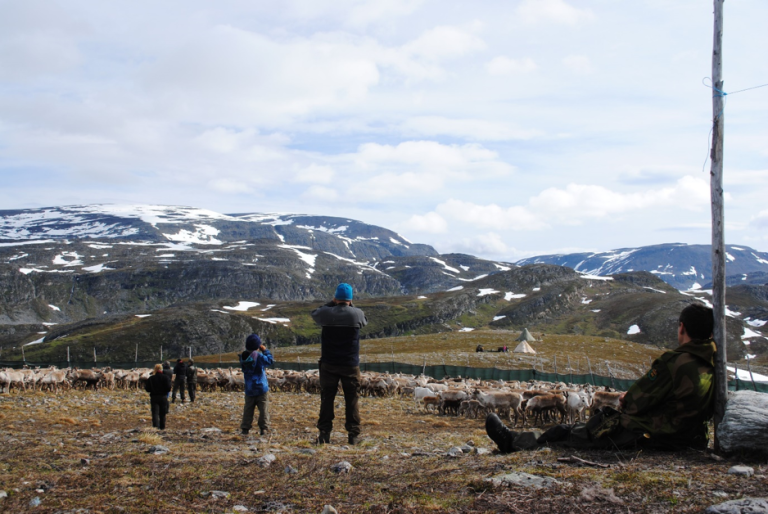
column 667, row 408
column 180, row 380
column 167, row 371
column 339, row 361
column 158, row 386
column 253, row 362
column 191, row 380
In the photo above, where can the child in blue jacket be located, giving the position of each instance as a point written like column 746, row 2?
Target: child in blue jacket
column 253, row 360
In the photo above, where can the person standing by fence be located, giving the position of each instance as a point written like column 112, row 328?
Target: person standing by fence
column 339, row 361
column 191, row 380
column 158, row 386
column 180, row 380
column 253, row 361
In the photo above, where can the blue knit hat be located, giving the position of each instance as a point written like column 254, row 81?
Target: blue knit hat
column 252, row 343
column 344, row 292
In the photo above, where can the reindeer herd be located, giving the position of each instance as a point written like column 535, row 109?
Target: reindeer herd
column 520, row 402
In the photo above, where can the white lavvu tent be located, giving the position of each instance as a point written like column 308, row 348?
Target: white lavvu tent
column 524, row 347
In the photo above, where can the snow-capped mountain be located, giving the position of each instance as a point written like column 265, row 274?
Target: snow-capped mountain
column 189, row 225
column 682, row 266
column 100, row 259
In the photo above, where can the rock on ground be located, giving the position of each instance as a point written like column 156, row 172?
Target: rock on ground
column 743, row 506
column 744, row 422
column 523, row 479
column 741, row 470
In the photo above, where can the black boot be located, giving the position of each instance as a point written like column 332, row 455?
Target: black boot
column 323, row 438
column 500, row 434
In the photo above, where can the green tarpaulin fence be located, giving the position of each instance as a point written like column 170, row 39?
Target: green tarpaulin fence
column 436, row 371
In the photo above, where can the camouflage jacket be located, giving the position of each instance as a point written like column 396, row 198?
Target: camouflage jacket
column 677, row 394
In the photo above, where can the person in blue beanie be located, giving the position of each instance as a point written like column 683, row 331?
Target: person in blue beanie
column 253, row 361
column 339, row 361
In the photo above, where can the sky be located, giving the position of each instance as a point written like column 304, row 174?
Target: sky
column 502, row 129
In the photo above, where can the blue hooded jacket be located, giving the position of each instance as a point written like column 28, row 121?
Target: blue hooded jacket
column 254, row 373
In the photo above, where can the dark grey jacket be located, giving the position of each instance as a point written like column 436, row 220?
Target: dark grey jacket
column 340, row 339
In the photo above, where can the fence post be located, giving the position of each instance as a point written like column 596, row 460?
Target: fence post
column 570, row 369
column 136, row 355
column 749, row 367
column 610, row 374
column 735, row 374
column 161, row 354
column 590, row 371
column 68, row 363
column 555, row 367
column 23, row 358
column 94, row 354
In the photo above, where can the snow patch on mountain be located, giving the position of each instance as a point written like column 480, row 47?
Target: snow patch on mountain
column 444, row 265
column 203, row 235
column 242, row 306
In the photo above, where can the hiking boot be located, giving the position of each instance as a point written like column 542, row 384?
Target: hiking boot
column 244, row 431
column 323, row 438
column 500, row 434
column 354, row 439
column 263, row 431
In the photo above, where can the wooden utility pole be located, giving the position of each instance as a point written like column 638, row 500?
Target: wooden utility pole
column 718, row 224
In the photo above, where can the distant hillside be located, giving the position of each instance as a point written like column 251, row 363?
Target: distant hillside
column 680, row 265
column 68, row 264
column 549, row 299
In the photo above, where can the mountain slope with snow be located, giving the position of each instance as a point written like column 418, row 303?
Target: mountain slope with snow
column 680, row 265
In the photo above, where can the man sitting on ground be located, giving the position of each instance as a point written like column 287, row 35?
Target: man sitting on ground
column 668, row 407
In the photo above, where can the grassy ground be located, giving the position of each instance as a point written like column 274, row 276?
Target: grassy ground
column 88, row 450
column 626, row 359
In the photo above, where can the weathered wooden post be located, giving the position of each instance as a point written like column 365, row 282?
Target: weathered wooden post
column 589, row 365
column 136, row 355
column 161, row 354
column 751, row 376
column 94, row 354
column 23, row 359
column 68, row 364
column 718, row 224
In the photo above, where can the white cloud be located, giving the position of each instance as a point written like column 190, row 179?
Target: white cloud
column 443, row 43
column 578, row 64
column 472, row 129
column 372, row 11
column 431, row 223
column 316, row 174
column 321, row 193
column 575, row 204
column 553, row 11
column 503, row 66
column 491, row 216
column 490, row 245
column 38, row 40
column 760, row 221
column 226, row 185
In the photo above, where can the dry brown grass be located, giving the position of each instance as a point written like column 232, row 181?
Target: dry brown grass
column 399, row 468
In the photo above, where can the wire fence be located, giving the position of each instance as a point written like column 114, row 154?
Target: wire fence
column 437, row 372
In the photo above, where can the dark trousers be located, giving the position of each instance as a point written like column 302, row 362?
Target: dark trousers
column 192, row 390
column 330, row 376
column 251, row 403
column 180, row 386
column 159, row 405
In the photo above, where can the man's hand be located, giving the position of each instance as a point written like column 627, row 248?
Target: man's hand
column 262, row 348
column 623, row 399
